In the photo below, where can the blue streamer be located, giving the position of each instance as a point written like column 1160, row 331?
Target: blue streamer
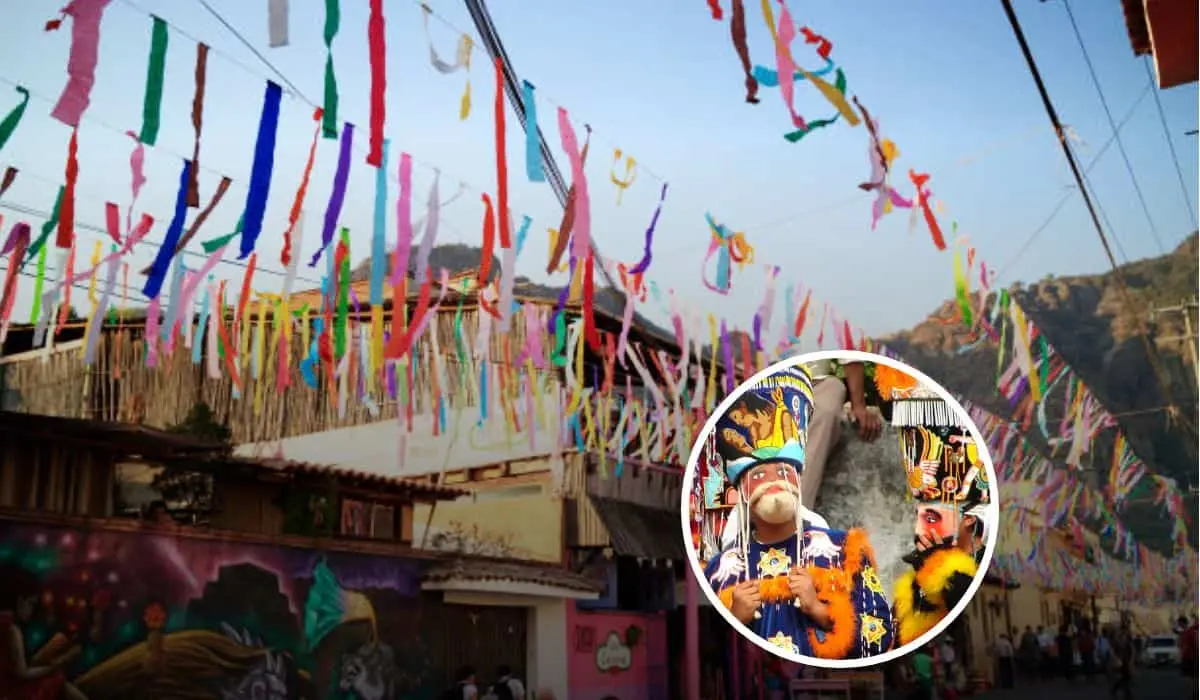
column 177, row 276
column 198, row 339
column 483, row 392
column 260, row 174
column 309, row 364
column 166, row 251
column 533, row 144
column 522, row 233
column 379, row 235
column 770, row 78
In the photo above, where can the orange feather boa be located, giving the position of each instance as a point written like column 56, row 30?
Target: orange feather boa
column 834, row 588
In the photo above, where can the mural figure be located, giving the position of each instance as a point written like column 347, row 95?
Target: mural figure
column 19, row 679
column 112, row 616
column 266, row 681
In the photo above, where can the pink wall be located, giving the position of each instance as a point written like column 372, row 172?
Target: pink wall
column 646, row 677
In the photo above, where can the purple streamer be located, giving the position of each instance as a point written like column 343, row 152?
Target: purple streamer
column 562, row 299
column 18, row 231
column 645, row 261
column 727, row 356
column 338, row 196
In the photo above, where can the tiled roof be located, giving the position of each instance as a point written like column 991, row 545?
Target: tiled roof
column 483, row 570
column 413, row 487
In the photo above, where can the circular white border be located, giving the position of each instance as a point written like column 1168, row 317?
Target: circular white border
column 689, row 477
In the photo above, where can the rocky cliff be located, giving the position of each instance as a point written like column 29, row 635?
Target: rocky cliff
column 1089, row 322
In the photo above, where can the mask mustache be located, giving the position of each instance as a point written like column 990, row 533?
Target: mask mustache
column 786, row 487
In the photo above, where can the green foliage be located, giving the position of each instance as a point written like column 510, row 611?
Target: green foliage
column 202, row 423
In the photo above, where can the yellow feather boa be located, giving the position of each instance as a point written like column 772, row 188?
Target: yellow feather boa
column 933, row 576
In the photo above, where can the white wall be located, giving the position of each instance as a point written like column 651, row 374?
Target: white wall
column 547, row 655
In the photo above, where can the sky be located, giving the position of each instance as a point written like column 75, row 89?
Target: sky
column 661, row 82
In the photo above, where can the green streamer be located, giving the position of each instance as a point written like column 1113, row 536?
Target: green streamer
column 343, row 304
column 1045, row 378
column 47, row 228
column 329, row 120
column 9, row 125
column 37, row 286
column 216, row 244
column 156, row 72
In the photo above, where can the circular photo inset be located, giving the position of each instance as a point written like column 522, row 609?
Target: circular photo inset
column 840, row 509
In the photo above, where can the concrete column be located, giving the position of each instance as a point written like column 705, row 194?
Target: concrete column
column 547, row 653
column 692, row 638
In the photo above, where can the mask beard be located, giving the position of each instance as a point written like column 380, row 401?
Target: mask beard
column 776, row 508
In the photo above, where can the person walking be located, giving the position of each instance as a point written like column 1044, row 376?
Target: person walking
column 922, row 666
column 1066, row 652
column 1122, row 664
column 1027, row 654
column 1086, row 645
column 1046, row 654
column 1004, row 653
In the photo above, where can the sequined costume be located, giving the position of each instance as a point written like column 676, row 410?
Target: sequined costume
column 840, row 563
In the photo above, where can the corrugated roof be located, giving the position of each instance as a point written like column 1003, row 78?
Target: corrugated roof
column 641, row 531
column 413, row 487
column 481, row 570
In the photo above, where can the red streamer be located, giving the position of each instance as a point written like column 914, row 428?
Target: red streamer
column 377, row 48
column 489, row 241
column 286, row 256
column 66, row 222
column 589, row 294
column 501, row 160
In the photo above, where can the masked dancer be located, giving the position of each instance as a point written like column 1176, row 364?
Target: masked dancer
column 806, row 589
column 949, row 483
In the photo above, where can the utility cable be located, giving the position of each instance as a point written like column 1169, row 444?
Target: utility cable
column 1162, row 118
column 1137, row 188
column 1151, row 353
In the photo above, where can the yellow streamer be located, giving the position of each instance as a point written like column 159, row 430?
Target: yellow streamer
column 260, row 338
column 465, row 49
column 95, row 263
column 554, row 242
column 710, row 393
column 376, row 350
column 630, row 174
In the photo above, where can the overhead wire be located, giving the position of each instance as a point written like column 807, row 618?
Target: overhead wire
column 1137, row 188
column 1052, row 113
column 1162, row 119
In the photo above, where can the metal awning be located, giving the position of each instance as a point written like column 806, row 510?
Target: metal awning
column 640, row 531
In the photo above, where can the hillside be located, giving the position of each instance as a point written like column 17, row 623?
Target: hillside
column 1088, row 322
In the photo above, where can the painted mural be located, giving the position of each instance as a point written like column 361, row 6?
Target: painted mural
column 618, row 654
column 121, row 615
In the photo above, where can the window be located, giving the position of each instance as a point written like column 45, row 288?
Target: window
column 368, row 520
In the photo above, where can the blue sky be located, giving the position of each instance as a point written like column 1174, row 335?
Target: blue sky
column 661, row 82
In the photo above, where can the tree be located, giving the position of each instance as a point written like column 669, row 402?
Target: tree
column 185, row 488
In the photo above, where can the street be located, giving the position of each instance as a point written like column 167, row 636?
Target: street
column 1160, row 684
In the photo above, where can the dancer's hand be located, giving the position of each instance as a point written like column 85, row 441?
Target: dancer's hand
column 746, row 600
column 869, row 423
column 924, row 543
column 802, row 588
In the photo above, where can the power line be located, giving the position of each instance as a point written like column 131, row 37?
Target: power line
column 1151, row 354
column 1067, row 197
column 1137, row 188
column 1162, row 118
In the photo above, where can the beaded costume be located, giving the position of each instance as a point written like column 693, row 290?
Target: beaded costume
column 767, row 426
column 946, row 478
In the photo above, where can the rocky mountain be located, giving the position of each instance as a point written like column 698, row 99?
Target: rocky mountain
column 1092, row 325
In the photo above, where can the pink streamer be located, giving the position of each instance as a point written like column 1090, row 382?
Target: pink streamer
column 786, row 66
column 81, row 66
column 626, row 321
column 582, row 232
column 404, row 224
column 152, row 314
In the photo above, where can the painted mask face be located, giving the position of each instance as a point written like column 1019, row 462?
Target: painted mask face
column 936, row 521
column 773, row 489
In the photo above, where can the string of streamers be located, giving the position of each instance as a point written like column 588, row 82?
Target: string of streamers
column 462, row 60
